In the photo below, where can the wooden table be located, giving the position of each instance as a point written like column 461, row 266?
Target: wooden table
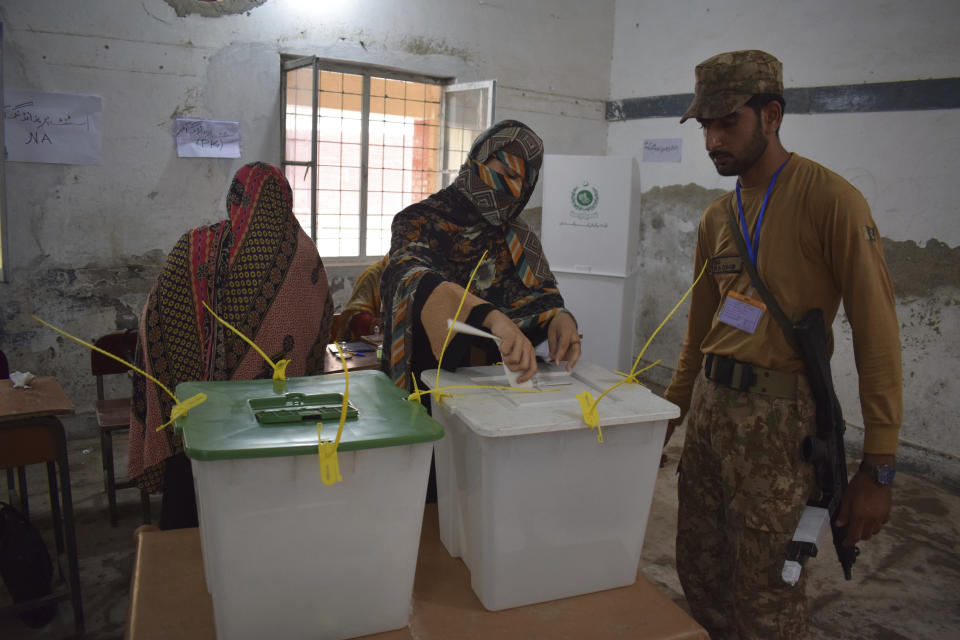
column 31, row 433
column 169, row 601
column 364, row 356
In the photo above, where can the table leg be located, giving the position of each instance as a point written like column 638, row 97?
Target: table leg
column 55, row 508
column 73, row 564
column 22, row 486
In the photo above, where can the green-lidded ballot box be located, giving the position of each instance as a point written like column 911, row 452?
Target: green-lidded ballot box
column 285, row 554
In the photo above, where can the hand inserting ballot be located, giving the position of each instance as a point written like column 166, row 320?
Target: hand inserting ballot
column 564, row 340
column 517, row 351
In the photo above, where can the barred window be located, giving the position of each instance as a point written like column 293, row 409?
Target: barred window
column 362, row 143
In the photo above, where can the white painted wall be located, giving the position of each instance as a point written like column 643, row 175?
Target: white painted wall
column 903, row 162
column 821, row 42
column 86, row 240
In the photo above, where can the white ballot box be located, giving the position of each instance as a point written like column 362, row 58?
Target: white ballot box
column 537, row 508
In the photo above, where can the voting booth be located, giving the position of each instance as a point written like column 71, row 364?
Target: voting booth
column 589, row 232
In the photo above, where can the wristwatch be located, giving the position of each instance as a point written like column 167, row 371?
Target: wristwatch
column 882, row 474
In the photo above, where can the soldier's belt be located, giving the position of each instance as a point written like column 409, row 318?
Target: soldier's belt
column 744, row 376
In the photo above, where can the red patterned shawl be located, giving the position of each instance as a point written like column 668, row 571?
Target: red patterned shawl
column 260, row 272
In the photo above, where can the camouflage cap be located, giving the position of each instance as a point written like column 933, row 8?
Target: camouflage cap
column 727, row 81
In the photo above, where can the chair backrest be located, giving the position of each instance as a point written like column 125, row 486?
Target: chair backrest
column 121, row 344
column 337, row 327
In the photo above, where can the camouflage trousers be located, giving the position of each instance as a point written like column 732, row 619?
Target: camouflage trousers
column 743, row 485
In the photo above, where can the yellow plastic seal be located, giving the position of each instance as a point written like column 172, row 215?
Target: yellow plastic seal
column 329, row 464
column 326, row 450
column 590, row 416
column 182, row 408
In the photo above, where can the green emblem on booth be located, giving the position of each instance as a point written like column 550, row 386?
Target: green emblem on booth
column 584, row 199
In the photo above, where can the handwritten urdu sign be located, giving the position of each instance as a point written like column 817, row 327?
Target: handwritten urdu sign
column 201, row 138
column 52, row 127
column 662, row 149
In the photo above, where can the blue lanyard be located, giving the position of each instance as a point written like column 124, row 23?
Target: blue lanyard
column 754, row 245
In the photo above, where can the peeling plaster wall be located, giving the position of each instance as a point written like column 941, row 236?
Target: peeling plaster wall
column 87, row 241
column 903, row 162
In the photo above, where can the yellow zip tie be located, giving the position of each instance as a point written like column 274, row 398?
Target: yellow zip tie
column 329, row 465
column 327, row 451
column 669, row 315
column 590, row 413
column 279, row 369
column 417, row 394
column 179, row 410
column 590, row 409
column 456, row 316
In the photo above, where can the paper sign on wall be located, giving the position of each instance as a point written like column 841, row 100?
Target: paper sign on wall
column 201, row 138
column 662, row 149
column 52, row 127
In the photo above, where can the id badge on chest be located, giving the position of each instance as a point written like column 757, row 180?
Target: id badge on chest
column 741, row 312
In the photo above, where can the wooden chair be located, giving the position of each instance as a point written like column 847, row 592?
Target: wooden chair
column 113, row 414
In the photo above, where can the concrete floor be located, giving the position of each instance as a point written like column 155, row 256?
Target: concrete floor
column 906, row 583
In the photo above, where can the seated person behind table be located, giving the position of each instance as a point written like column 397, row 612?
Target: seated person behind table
column 260, row 272
column 437, row 243
column 362, row 312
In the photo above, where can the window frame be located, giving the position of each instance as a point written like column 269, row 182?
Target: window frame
column 448, row 171
column 366, row 71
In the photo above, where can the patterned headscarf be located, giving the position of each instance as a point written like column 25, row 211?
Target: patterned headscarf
column 517, row 146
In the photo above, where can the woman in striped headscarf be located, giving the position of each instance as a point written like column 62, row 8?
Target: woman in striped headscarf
column 437, row 243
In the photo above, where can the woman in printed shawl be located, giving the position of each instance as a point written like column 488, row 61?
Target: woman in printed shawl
column 257, row 270
column 362, row 312
column 437, row 243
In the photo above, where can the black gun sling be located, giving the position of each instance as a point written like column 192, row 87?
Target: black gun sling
column 782, row 320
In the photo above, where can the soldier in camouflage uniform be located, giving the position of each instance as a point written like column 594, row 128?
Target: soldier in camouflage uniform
column 740, row 383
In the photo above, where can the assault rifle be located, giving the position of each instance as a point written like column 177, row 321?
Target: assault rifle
column 824, row 450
